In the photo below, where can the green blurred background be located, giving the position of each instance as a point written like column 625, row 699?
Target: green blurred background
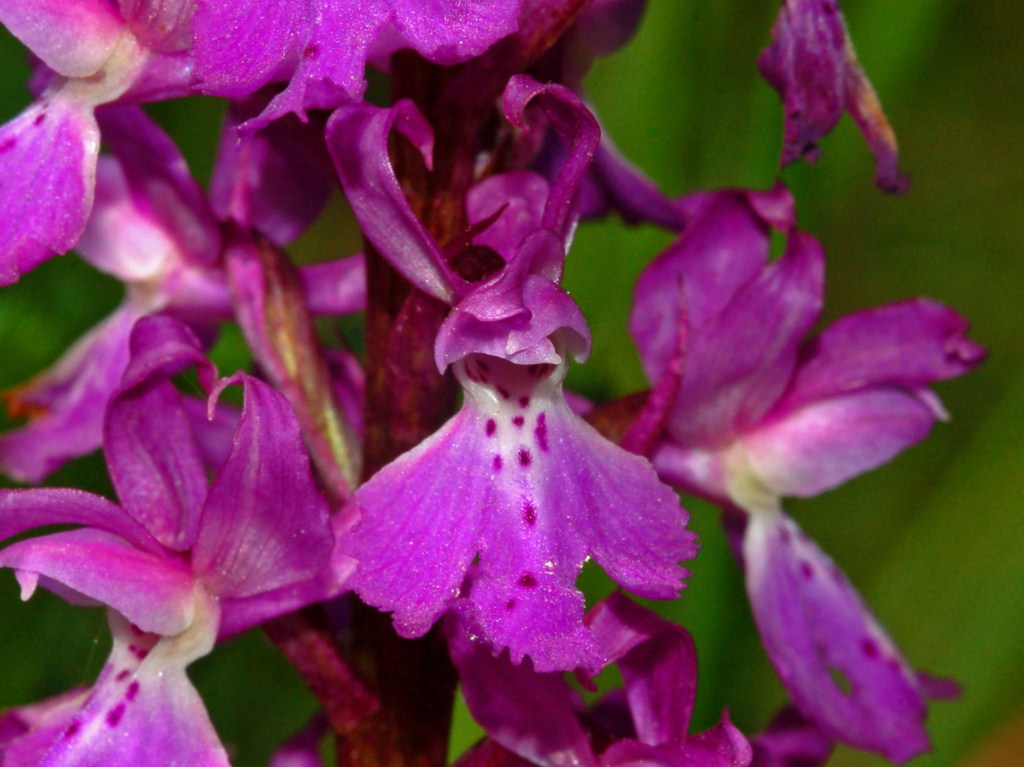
column 934, row 540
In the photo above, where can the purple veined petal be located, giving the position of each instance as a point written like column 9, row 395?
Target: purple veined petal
column 66, row 403
column 154, row 592
column 448, row 33
column 841, row 669
column 264, row 524
column 658, row 661
column 792, row 740
column 739, row 364
column 724, row 247
column 158, row 188
column 812, row 64
column 822, row 444
column 152, row 455
column 335, row 287
column 357, row 136
column 908, row 344
column 520, row 196
column 527, row 712
column 22, row 510
column 27, row 732
column 578, row 130
column 276, row 180
column 72, row 37
column 241, row 46
column 47, row 168
column 159, row 24
column 143, row 709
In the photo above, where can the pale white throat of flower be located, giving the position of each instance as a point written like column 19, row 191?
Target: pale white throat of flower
column 109, row 82
column 744, row 487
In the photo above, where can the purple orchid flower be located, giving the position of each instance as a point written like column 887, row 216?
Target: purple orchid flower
column 537, row 717
column 758, row 414
column 180, row 563
column 154, row 230
column 321, row 48
column 515, row 478
column 812, row 64
column 99, row 53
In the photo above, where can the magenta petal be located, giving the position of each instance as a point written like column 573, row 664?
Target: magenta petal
column 739, row 364
column 357, row 136
column 22, row 510
column 721, row 746
column 816, row 630
column 447, row 33
column 152, row 456
column 152, row 591
column 72, row 37
column 67, row 402
column 825, row 443
column 908, row 344
column 658, row 661
column 335, row 287
column 143, row 710
column 527, row 712
column 27, row 732
column 791, row 740
column 725, row 245
column 264, row 524
column 47, row 170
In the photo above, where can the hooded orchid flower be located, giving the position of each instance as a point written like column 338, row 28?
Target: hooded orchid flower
column 180, row 563
column 758, row 413
column 515, row 479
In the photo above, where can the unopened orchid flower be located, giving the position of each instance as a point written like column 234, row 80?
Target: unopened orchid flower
column 154, row 230
column 515, row 479
column 812, row 64
column 94, row 52
column 537, row 716
column 759, row 413
column 180, row 563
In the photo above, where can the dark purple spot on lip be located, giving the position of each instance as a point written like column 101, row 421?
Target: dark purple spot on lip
column 541, row 432
column 524, row 401
column 527, row 580
column 132, row 691
column 310, row 52
column 491, row 427
column 123, row 675
column 115, row 714
column 496, row 463
column 138, row 652
column 786, row 535
column 39, row 118
column 503, row 392
column 510, row 604
column 869, row 647
column 8, row 144
column 483, row 365
column 806, row 570
column 524, row 457
column 72, row 730
column 136, row 630
column 518, row 421
column 529, row 513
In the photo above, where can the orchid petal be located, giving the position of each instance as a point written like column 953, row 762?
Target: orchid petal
column 72, row 37
column 357, row 136
column 815, row 628
column 153, row 592
column 822, row 444
column 47, row 168
column 66, row 403
column 792, row 740
column 264, row 523
column 447, row 33
column 335, row 287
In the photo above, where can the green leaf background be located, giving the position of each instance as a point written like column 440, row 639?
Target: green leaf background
column 934, row 540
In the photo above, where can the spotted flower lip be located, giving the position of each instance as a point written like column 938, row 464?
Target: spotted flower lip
column 759, row 413
column 515, row 479
column 181, row 561
column 812, row 64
